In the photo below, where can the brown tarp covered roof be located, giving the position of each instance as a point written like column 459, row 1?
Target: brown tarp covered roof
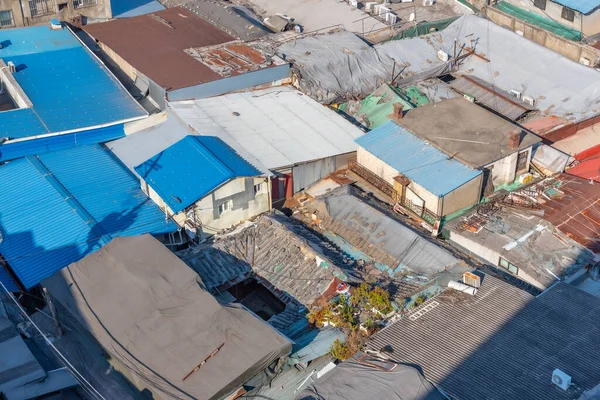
column 154, row 44
column 150, row 311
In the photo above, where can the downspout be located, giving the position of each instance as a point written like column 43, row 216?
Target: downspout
column 22, row 12
column 269, row 192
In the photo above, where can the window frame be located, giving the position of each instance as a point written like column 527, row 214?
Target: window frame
column 566, row 13
column 49, row 4
column 258, row 188
column 225, row 206
column 12, row 19
column 526, row 153
column 508, row 266
column 77, row 4
column 541, row 4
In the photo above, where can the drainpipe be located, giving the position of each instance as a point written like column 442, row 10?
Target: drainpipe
column 22, row 12
column 269, row 192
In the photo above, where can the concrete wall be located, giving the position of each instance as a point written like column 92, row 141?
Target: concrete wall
column 573, row 50
column 375, row 165
column 553, row 11
column 205, row 212
column 100, row 11
column 465, row 196
column 505, row 170
column 491, row 256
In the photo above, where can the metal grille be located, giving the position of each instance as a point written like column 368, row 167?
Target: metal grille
column 6, row 19
column 84, row 3
column 41, row 7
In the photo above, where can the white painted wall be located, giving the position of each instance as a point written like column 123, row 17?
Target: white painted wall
column 505, row 170
column 206, row 210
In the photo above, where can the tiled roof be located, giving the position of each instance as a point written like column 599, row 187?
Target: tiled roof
column 191, row 168
column 69, row 87
column 415, row 158
column 501, row 343
column 60, row 206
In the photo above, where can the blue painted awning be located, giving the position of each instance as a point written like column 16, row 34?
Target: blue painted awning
column 133, row 8
column 58, row 207
column 191, row 168
column 418, row 160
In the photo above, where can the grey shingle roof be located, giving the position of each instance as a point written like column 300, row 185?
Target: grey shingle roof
column 502, row 343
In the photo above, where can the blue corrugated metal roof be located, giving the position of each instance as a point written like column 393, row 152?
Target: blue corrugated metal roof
column 416, row 159
column 59, row 207
column 133, row 8
column 69, row 87
column 65, row 141
column 191, row 168
column 583, row 6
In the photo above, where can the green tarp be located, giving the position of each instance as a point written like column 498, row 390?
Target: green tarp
column 540, row 21
column 424, row 28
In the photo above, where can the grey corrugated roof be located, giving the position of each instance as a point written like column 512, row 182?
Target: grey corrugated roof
column 272, row 251
column 502, row 343
column 271, row 128
column 491, row 96
column 369, row 229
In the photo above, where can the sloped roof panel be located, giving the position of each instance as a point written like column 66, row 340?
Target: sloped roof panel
column 69, row 87
column 416, row 159
column 191, row 168
column 61, row 206
column 583, row 6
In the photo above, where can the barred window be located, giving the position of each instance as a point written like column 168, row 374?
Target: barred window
column 41, row 7
column 84, row 3
column 568, row 14
column 6, row 18
column 541, row 4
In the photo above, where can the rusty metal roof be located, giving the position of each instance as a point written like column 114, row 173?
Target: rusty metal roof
column 572, row 204
column 491, row 96
column 155, row 45
column 230, row 59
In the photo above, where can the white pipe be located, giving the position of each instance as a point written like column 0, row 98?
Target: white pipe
column 461, row 287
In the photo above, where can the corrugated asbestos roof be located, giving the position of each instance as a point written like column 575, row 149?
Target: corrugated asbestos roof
column 502, row 343
column 192, row 168
column 416, row 159
column 584, row 6
column 69, row 87
column 60, row 206
column 168, row 33
column 271, row 128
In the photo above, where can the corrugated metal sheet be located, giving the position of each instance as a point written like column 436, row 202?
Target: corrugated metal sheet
column 271, row 128
column 8, row 281
column 59, row 207
column 410, row 250
column 191, row 168
column 491, row 97
column 168, row 33
column 584, row 6
column 69, row 87
column 309, row 173
column 48, row 144
column 416, row 159
column 133, row 8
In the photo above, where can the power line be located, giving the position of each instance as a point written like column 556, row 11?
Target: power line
column 85, row 385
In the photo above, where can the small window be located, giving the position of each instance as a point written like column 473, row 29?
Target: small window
column 258, row 188
column 83, row 3
column 6, row 19
column 508, row 266
column 568, row 14
column 41, row 7
column 223, row 207
column 541, row 4
column 63, row 6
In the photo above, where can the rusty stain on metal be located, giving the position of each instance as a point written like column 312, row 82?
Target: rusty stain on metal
column 214, row 353
column 230, row 59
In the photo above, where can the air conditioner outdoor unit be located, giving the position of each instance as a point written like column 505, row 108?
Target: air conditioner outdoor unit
column 529, row 100
column 391, row 18
column 383, row 11
column 11, row 67
column 427, row 3
column 585, row 61
column 516, row 94
column 370, row 5
column 560, row 379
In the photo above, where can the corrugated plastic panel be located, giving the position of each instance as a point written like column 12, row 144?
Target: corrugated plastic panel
column 107, row 191
column 133, row 8
column 59, row 207
column 416, row 159
column 191, row 168
column 44, row 145
column 69, row 88
column 8, row 281
column 21, row 122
